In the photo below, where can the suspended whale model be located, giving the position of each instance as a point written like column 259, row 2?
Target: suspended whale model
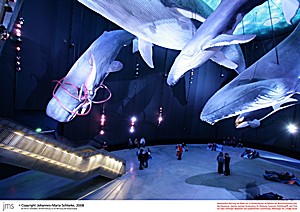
column 74, row 94
column 165, row 23
column 217, row 32
column 265, row 85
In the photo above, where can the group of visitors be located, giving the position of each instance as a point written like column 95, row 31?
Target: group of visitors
column 135, row 143
column 143, row 156
column 223, row 161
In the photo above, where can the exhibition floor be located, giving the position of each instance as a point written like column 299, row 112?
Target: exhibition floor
column 194, row 177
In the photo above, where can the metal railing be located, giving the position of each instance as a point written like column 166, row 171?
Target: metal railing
column 23, row 147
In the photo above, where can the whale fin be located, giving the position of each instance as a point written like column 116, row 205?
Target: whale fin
column 190, row 14
column 115, row 66
column 289, row 8
column 287, row 100
column 145, row 49
column 224, row 40
column 220, row 58
column 234, row 53
column 254, row 123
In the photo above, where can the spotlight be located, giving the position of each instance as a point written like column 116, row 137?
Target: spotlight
column 160, row 120
column 101, row 132
column 21, row 21
column 133, row 119
column 131, row 129
column 102, row 120
column 18, row 32
column 292, row 128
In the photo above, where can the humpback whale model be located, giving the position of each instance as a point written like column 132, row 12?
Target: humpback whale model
column 77, row 90
column 166, row 23
column 217, row 32
column 262, row 89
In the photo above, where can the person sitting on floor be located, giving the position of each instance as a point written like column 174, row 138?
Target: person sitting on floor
column 250, row 153
column 283, row 177
column 268, row 196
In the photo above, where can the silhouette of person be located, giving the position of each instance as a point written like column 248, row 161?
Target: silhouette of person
column 220, row 159
column 227, row 162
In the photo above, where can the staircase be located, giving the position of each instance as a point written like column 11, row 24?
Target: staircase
column 23, row 147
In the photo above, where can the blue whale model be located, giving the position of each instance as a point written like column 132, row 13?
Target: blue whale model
column 262, row 89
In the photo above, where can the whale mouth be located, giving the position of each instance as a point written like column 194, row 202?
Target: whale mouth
column 70, row 101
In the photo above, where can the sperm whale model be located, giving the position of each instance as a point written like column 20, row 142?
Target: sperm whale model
column 262, row 89
column 217, row 32
column 74, row 94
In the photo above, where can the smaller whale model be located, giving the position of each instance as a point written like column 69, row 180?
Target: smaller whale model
column 75, row 93
column 262, row 89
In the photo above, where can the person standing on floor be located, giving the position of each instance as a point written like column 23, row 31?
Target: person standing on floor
column 227, row 162
column 130, row 144
column 179, row 151
column 146, row 157
column 143, row 142
column 220, row 160
column 136, row 143
column 141, row 159
column 149, row 153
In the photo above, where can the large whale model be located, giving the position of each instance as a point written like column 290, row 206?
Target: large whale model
column 262, row 89
column 74, row 94
column 217, row 32
column 165, row 23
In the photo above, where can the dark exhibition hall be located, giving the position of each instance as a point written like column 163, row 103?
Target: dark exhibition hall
column 150, row 100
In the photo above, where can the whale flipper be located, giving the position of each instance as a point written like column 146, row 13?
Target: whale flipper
column 289, row 8
column 145, row 49
column 225, row 39
column 220, row 58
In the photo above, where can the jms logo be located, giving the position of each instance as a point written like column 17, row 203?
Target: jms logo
column 7, row 206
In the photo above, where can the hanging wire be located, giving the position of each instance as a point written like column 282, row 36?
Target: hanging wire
column 190, row 79
column 137, row 70
column 260, row 36
column 273, row 34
